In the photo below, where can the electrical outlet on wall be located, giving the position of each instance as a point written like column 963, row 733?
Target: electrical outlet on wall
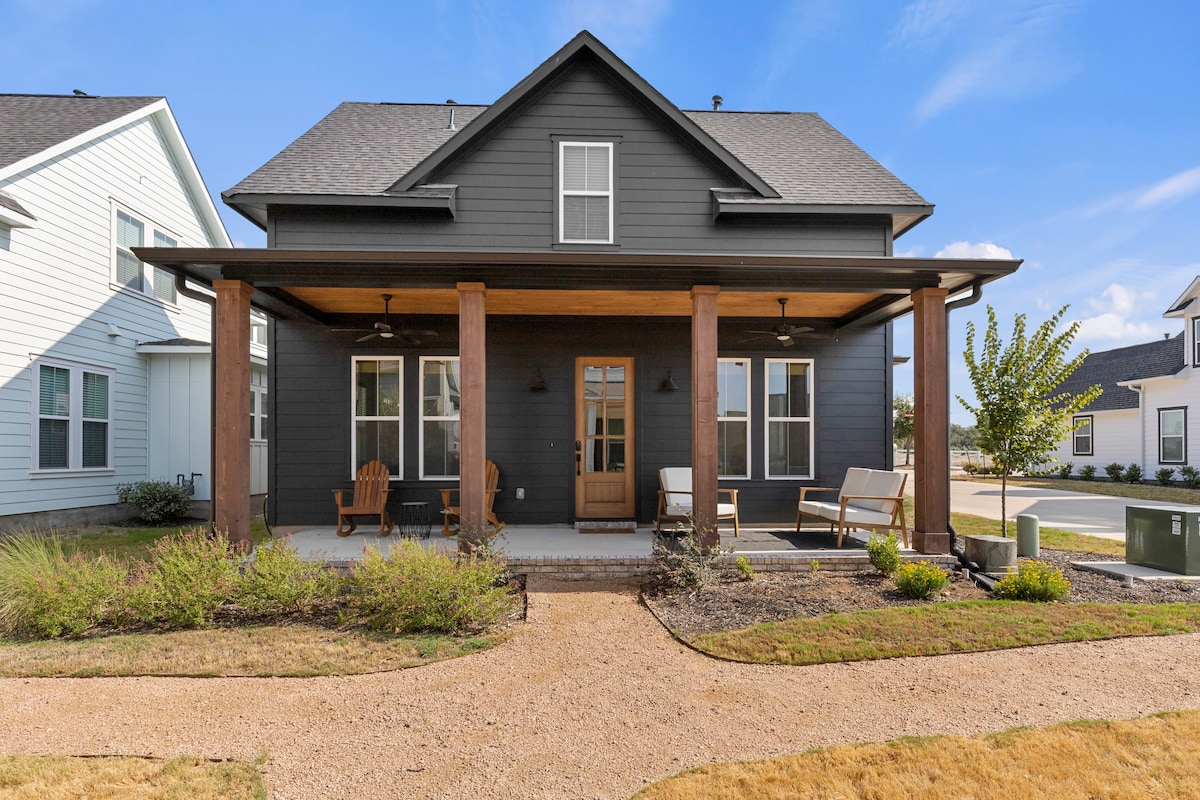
column 521, row 493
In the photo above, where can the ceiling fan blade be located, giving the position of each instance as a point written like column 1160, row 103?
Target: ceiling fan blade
column 788, row 342
column 366, row 338
column 349, row 330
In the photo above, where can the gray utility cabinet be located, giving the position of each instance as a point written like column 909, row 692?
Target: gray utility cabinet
column 1163, row 537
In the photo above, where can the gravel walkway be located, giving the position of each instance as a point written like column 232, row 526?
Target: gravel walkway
column 591, row 699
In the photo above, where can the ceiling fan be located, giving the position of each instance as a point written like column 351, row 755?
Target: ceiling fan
column 384, row 330
column 784, row 332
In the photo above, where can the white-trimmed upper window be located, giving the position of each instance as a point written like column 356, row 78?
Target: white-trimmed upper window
column 73, row 418
column 377, row 418
column 130, row 231
column 1172, row 435
column 585, row 202
column 733, row 418
column 1196, row 341
column 1082, row 437
column 258, row 413
column 789, row 400
column 440, row 425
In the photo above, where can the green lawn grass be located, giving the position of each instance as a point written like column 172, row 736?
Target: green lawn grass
column 1133, row 491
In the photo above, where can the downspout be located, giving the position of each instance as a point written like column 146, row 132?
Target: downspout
column 182, row 288
column 955, row 547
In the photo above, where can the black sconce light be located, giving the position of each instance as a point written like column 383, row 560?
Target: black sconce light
column 537, row 384
column 668, row 385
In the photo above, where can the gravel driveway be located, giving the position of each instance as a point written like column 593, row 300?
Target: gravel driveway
column 591, row 699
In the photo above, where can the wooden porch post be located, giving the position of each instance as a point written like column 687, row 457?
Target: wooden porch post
column 472, row 414
column 931, row 434
column 231, row 472
column 704, row 413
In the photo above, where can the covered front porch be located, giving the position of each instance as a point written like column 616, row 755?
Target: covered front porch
column 491, row 308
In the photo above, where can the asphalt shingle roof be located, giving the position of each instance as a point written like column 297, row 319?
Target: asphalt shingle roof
column 31, row 123
column 1110, row 367
column 12, row 205
column 362, row 149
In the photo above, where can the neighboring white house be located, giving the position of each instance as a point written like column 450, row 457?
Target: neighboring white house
column 104, row 364
column 1150, row 392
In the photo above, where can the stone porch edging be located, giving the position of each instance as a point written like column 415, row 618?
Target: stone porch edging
column 576, row 568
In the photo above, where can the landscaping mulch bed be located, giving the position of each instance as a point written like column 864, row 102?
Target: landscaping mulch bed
column 730, row 603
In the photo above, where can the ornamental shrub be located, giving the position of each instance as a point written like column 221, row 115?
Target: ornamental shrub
column 1132, row 474
column 277, row 581
column 1087, row 472
column 1036, row 581
column 46, row 594
column 187, row 577
column 744, row 569
column 417, row 588
column 1166, row 476
column 1065, row 469
column 1190, row 475
column 920, row 579
column 884, row 552
column 156, row 501
column 1115, row 472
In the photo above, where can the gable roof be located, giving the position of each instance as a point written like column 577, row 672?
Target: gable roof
column 382, row 152
column 35, row 128
column 1185, row 304
column 1112, row 367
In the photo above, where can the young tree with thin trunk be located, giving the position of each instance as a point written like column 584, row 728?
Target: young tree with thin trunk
column 1019, row 416
column 902, row 423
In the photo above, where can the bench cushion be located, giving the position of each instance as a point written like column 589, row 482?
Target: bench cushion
column 855, row 515
column 683, row 510
column 881, row 483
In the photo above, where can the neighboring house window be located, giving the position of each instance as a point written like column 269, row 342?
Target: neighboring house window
column 585, row 211
column 258, row 331
column 733, row 418
column 1082, row 442
column 258, row 414
column 1196, row 341
column 74, row 418
column 439, row 417
column 377, row 407
column 1172, row 435
column 789, row 418
column 129, row 232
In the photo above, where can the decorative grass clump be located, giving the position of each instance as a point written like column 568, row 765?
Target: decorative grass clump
column 278, row 582
column 45, row 594
column 1036, row 581
column 920, row 579
column 417, row 588
column 186, row 579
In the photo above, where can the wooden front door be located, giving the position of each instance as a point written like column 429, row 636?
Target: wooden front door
column 604, row 474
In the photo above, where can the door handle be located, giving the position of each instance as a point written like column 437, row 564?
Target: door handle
column 578, row 458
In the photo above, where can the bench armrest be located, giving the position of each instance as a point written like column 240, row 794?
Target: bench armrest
column 806, row 489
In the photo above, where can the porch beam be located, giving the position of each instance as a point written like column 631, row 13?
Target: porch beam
column 472, row 324
column 931, row 435
column 704, row 413
column 231, row 470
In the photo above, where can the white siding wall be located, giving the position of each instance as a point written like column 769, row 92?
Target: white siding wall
column 57, row 300
column 1116, row 436
column 1181, row 391
column 258, row 450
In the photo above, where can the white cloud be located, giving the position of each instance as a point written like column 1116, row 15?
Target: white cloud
column 1115, row 322
column 802, row 22
column 927, row 20
column 968, row 250
column 1172, row 190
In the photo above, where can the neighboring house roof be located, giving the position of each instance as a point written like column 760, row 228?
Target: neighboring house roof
column 13, row 214
column 1185, row 304
column 1111, row 367
column 35, row 128
column 786, row 161
column 182, row 342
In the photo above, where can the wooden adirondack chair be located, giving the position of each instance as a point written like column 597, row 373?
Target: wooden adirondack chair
column 370, row 498
column 492, row 476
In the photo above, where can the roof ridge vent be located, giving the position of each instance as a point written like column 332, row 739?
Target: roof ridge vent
column 450, row 124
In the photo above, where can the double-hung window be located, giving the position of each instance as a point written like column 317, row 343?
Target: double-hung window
column 439, row 417
column 1082, row 437
column 73, row 411
column 585, row 201
column 378, row 432
column 789, row 401
column 733, row 418
column 1172, row 435
column 130, row 231
column 1196, row 341
column 258, row 414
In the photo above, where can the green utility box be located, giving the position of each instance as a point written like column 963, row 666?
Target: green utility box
column 1163, row 537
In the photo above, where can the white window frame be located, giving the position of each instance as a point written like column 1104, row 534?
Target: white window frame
column 74, row 418
column 355, row 418
column 423, row 418
column 258, row 413
column 1196, row 341
column 810, row 419
column 1182, row 411
column 1089, row 423
column 150, row 273
column 745, row 420
column 563, row 193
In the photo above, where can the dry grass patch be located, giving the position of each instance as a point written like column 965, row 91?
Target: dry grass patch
column 298, row 650
column 942, row 628
column 126, row 778
column 1150, row 757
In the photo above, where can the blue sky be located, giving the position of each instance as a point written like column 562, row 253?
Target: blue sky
column 1063, row 133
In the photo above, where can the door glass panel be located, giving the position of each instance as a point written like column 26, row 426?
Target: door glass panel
column 615, row 383
column 592, row 456
column 615, row 412
column 616, row 455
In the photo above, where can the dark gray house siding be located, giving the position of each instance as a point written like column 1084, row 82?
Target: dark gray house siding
column 530, row 434
column 505, row 198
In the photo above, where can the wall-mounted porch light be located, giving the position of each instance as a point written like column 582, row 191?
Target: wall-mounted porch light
column 668, row 385
column 537, row 384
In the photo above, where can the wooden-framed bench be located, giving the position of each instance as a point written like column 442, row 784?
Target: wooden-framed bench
column 675, row 499
column 868, row 499
column 371, row 487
